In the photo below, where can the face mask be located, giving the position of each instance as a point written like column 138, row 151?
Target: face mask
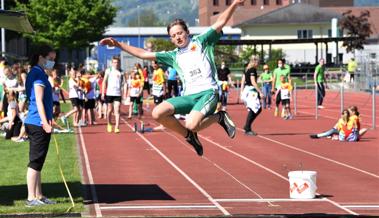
column 222, row 66
column 280, row 65
column 49, row 64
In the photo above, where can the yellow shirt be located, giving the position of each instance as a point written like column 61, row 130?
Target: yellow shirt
column 158, row 76
column 351, row 66
column 142, row 78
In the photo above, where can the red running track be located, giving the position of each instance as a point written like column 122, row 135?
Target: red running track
column 159, row 174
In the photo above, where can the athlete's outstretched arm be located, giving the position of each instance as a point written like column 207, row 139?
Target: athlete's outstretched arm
column 137, row 52
column 225, row 16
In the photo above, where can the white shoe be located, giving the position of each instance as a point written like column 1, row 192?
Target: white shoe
column 321, row 107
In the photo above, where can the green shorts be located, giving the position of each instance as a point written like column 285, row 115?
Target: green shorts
column 204, row 102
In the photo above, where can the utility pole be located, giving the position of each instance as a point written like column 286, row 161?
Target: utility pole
column 2, row 34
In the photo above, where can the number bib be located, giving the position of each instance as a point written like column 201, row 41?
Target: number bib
column 284, row 94
column 157, row 90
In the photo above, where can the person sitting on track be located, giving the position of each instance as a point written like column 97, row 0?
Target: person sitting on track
column 348, row 130
column 194, row 61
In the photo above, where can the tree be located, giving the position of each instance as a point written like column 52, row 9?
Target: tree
column 357, row 27
column 161, row 44
column 68, row 23
column 146, row 17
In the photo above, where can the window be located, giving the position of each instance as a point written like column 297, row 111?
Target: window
column 339, row 34
column 215, row 2
column 304, row 34
column 228, row 2
column 266, row 2
column 279, row 2
column 215, row 12
column 253, row 2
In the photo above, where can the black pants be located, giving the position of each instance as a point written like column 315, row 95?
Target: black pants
column 320, row 93
column 15, row 130
column 224, row 98
column 172, row 85
column 278, row 99
column 38, row 146
column 250, row 119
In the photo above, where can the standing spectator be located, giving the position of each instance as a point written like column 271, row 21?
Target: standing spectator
column 159, row 87
column 38, row 121
column 266, row 78
column 285, row 96
column 101, row 105
column 351, row 68
column 172, row 82
column 113, row 83
column 2, row 77
column 225, row 80
column 146, row 85
column 285, row 70
column 251, row 94
column 320, row 82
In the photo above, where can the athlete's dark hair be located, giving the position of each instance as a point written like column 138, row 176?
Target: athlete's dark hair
column 177, row 22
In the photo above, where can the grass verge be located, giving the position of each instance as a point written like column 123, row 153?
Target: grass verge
column 13, row 165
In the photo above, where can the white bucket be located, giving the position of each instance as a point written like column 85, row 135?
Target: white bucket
column 302, row 184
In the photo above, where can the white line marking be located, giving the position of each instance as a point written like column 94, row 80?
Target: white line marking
column 223, row 210
column 362, row 206
column 89, row 174
column 270, row 200
column 333, row 118
column 175, row 207
column 269, row 170
column 319, row 156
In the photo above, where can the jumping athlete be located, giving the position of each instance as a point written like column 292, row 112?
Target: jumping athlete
column 194, row 61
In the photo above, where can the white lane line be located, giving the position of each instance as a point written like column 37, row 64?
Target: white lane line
column 197, row 186
column 362, row 206
column 221, row 169
column 318, row 156
column 89, row 174
column 174, row 207
column 269, row 170
column 270, row 200
column 334, row 118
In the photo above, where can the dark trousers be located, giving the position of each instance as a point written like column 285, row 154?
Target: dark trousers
column 224, row 98
column 15, row 130
column 250, row 119
column 172, row 85
column 320, row 93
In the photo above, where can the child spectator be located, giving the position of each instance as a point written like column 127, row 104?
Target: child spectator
column 135, row 91
column 266, row 78
column 13, row 126
column 285, row 96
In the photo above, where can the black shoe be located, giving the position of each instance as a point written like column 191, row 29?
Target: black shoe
column 194, row 141
column 135, row 127
column 227, row 123
column 251, row 133
column 313, row 136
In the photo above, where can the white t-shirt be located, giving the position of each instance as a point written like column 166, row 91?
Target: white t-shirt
column 11, row 83
column 73, row 89
column 114, row 82
column 11, row 105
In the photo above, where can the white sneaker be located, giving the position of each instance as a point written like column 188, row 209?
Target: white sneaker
column 321, row 107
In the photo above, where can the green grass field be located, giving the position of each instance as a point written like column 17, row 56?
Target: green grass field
column 13, row 165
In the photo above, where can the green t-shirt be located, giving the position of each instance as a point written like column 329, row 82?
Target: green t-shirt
column 281, row 71
column 266, row 76
column 320, row 71
column 194, row 63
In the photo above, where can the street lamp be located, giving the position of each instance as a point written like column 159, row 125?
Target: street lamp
column 2, row 34
column 139, row 29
